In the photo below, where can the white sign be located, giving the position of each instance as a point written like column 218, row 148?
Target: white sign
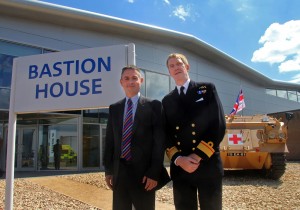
column 52, row 140
column 79, row 79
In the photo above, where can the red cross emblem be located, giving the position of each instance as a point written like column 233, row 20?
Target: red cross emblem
column 234, row 139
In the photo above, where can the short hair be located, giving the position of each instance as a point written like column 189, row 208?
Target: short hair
column 133, row 67
column 178, row 55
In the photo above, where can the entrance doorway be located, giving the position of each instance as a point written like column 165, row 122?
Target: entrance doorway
column 93, row 145
column 26, row 144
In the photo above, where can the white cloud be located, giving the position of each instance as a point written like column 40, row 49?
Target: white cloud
column 290, row 65
column 244, row 8
column 167, row 2
column 130, row 1
column 296, row 79
column 281, row 46
column 181, row 12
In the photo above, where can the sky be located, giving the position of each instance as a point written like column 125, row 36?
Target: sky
column 262, row 34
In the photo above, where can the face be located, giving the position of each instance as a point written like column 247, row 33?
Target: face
column 131, row 82
column 178, row 70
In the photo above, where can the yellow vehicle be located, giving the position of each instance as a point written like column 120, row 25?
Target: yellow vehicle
column 68, row 154
column 255, row 142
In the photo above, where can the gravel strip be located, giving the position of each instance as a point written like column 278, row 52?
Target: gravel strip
column 241, row 190
column 28, row 195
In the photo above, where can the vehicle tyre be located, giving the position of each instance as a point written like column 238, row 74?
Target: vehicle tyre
column 278, row 166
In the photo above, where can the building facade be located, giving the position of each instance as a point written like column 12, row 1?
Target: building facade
column 32, row 27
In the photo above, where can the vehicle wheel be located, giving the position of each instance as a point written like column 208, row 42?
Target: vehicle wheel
column 278, row 166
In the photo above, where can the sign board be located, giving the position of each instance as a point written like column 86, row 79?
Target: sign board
column 69, row 80
column 78, row 79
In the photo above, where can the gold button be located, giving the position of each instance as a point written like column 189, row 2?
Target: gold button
column 193, row 149
column 193, row 125
column 177, row 127
column 194, row 133
column 178, row 142
column 194, row 141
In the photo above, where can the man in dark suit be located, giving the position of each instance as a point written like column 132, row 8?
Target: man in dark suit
column 195, row 126
column 132, row 168
column 57, row 149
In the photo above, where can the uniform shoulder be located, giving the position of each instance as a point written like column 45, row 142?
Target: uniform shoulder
column 203, row 85
column 168, row 95
column 150, row 100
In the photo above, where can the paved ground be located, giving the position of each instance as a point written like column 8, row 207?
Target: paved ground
column 86, row 193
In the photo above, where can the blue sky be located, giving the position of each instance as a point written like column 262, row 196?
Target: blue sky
column 263, row 34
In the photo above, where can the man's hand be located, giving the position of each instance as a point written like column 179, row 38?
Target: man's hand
column 196, row 157
column 109, row 181
column 149, row 183
column 187, row 163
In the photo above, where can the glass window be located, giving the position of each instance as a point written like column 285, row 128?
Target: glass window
column 173, row 84
column 9, row 48
column 2, row 148
column 6, row 63
column 292, row 95
column 95, row 116
column 8, row 51
column 157, row 85
column 4, row 98
column 271, row 92
column 282, row 93
column 68, row 144
column 91, row 146
column 143, row 87
column 47, row 51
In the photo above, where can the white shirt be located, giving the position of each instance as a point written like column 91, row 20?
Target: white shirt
column 134, row 105
column 185, row 85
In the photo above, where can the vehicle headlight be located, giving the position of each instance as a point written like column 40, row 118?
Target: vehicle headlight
column 271, row 135
column 281, row 135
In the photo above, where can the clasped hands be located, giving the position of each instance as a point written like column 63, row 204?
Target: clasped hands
column 189, row 163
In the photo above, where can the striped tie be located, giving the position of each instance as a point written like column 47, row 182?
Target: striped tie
column 127, row 132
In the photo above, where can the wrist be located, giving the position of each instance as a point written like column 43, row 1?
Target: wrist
column 176, row 161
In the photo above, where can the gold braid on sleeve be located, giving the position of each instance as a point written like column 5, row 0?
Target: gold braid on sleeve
column 206, row 148
column 171, row 151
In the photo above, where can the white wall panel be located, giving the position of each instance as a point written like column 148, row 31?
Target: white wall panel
column 149, row 56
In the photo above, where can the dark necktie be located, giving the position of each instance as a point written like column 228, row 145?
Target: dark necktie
column 182, row 92
column 127, row 132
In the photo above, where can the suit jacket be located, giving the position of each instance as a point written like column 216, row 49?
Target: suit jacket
column 148, row 141
column 195, row 124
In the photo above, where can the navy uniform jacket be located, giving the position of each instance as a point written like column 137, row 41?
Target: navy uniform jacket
column 197, row 125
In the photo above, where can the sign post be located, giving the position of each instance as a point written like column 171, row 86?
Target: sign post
column 69, row 80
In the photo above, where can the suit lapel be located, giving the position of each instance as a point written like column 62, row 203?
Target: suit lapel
column 139, row 112
column 120, row 117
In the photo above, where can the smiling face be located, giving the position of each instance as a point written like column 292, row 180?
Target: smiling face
column 178, row 69
column 131, row 81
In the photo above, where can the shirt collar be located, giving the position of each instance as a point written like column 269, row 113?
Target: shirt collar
column 134, row 98
column 185, row 85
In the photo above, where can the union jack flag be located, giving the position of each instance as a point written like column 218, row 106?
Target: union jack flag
column 239, row 104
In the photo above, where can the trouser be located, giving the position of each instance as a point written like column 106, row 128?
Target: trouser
column 209, row 194
column 130, row 192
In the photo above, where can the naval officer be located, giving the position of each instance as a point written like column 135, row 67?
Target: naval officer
column 195, row 126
